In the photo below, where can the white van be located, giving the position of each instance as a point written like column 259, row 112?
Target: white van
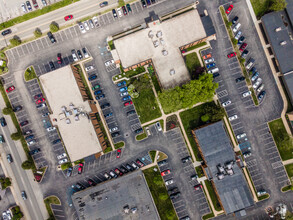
column 215, row 70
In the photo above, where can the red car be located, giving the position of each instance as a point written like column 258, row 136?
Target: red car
column 166, row 172
column 79, row 171
column 39, row 101
column 243, row 46
column 118, row 153
column 68, row 17
column 229, row 9
column 59, row 58
column 128, row 103
column 118, row 172
column 124, row 10
column 140, row 164
column 10, row 89
column 230, row 55
column 198, row 187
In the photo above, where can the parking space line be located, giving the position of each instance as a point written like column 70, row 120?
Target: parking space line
column 66, row 34
column 75, row 30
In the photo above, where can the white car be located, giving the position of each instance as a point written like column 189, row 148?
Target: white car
column 123, row 94
column 261, row 192
column 91, row 23
column 96, row 21
column 239, row 136
column 81, row 27
column 238, row 35
column 89, row 68
column 159, row 126
column 257, row 83
column 209, row 60
column 86, row 25
column 51, row 128
column 59, row 157
column 169, row 182
column 237, row 26
column 260, row 88
column 246, row 94
column 247, row 154
column 62, row 161
column 224, row 104
column 113, row 129
column 74, row 56
column 119, row 12
column 109, row 62
column 233, row 117
column 31, row 142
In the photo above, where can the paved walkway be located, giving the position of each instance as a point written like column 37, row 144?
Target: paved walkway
column 275, row 74
column 286, row 162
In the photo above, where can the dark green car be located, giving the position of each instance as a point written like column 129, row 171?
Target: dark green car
column 128, row 8
column 95, row 87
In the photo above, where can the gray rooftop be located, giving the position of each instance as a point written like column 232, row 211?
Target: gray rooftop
column 289, row 10
column 107, row 200
column 289, row 84
column 217, row 149
column 271, row 22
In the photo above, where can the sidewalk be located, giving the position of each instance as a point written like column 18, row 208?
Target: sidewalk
column 275, row 74
column 286, row 162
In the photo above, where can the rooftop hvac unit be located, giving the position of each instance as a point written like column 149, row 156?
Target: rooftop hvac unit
column 159, row 34
column 68, row 121
column 162, row 41
column 172, row 71
column 278, row 29
column 156, row 43
column 63, row 109
column 151, row 34
column 220, row 168
column 76, row 118
column 229, row 172
column 283, row 43
column 71, row 106
column 165, row 52
column 220, row 176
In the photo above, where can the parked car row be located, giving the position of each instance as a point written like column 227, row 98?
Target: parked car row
column 27, row 7
column 211, row 65
column 86, row 25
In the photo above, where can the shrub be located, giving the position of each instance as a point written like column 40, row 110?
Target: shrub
column 15, row 41
column 157, row 180
column 54, row 27
column 205, row 118
column 5, row 182
column 7, row 111
column 163, row 196
column 26, row 165
column 65, row 166
column 37, row 32
column 16, row 136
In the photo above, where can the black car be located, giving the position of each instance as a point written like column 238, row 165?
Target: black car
column 115, row 134
column 216, row 75
column 123, row 169
column 186, row 159
column 261, row 95
column 69, row 172
column 52, row 66
column 241, row 40
column 51, row 37
column 242, row 78
column 3, row 122
column 153, row 1
column 8, row 31
column 56, row 141
column 32, row 152
column 91, row 182
column 175, row 195
column 23, row 123
column 173, row 190
column 9, row 158
column 162, row 162
column 130, row 112
column 105, row 105
column 235, row 19
column 128, row 8
column 79, row 54
column 244, row 54
column 143, row 3
column 17, row 108
column 114, row 13
column 137, row 131
column 28, row 5
column 148, row 2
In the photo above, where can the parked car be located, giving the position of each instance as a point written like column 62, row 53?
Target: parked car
column 128, row 8
column 107, row 176
column 59, row 58
column 114, row 13
column 108, row 115
column 91, row 23
column 106, row 105
column 198, row 187
column 224, row 104
column 98, row 97
column 44, row 2
column 17, row 108
column 173, row 190
column 235, row 19
column 143, row 3
column 81, row 27
column 245, row 94
column 162, row 162
column 242, row 47
column 186, row 159
column 232, row 118
column 241, row 40
column 88, row 68
column 113, row 129
column 208, row 56
column 23, row 8
column 165, row 172
column 242, row 78
column 9, row 158
column 32, row 142
column 61, row 156
column 3, row 122
column 23, row 123
column 29, row 137
column 69, row 172
column 123, row 83
column 246, row 154
column 96, row 21
column 62, row 161
column 130, row 112
column 91, row 182
column 128, row 103
column 257, row 83
column 240, row 136
column 109, row 62
column 261, row 95
column 80, row 168
column 124, row 10
column 123, row 89
column 97, row 92
column 207, row 61
column 10, row 89
column 41, row 105
column 236, row 27
column 169, row 182
column 86, row 25
column 27, row 132
column 175, row 195
column 74, row 55
column 41, row 100
column 129, row 168
column 51, row 37
column 103, row 4
column 249, row 63
column 35, row 151
column 92, row 77
column 230, row 55
column 118, row 154
column 28, row 5
column 211, row 65
column 6, row 32
column 79, row 54
column 45, row 114
column 23, row 195
column 2, row 140
column 118, row 172
column 115, row 134
column 51, row 129
column 80, row 186
column 52, row 66
column 56, row 141
column 229, row 9
column 158, row 125
column 85, row 53
column 134, row 165
column 238, row 35
column 95, row 87
column 194, row 177
column 35, row 4
column 123, row 169
column 124, row 94
column 244, row 54
column 140, row 164
column 260, row 88
column 113, row 174
column 137, row 131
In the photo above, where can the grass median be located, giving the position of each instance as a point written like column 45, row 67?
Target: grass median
column 213, row 196
column 51, row 200
column 30, row 74
column 159, row 194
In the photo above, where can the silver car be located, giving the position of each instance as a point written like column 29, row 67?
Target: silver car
column 233, row 117
column 257, row 83
column 209, row 60
column 238, row 35
column 81, row 27
column 260, row 88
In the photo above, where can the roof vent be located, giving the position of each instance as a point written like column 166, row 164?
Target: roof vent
column 172, row 71
column 151, row 34
column 278, row 29
column 220, row 176
column 165, row 52
column 156, row 43
column 159, row 34
column 283, row 43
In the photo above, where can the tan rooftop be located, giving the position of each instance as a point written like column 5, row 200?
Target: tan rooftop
column 71, row 112
column 161, row 42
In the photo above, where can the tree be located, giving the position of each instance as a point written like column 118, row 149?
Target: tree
column 5, row 182
column 230, row 23
column 278, row 5
column 157, row 180
column 205, row 118
column 54, row 27
column 121, row 3
column 163, row 196
column 37, row 32
column 15, row 41
column 291, row 187
column 16, row 136
column 7, row 111
column 65, row 166
column 26, row 165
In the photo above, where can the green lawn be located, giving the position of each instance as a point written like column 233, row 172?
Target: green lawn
column 192, row 62
column 141, row 136
column 51, row 200
column 30, row 74
column 196, row 46
column 159, row 193
column 254, row 98
column 36, row 13
column 207, row 216
column 260, row 7
column 213, row 196
column 146, row 104
column 289, row 169
column 119, row 145
column 283, row 140
column 152, row 154
column 199, row 171
column 191, row 119
column 108, row 148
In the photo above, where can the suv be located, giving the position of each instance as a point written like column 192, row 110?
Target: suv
column 9, row 158
column 3, row 122
column 51, row 37
column 249, row 63
column 114, row 13
column 105, row 105
column 32, row 152
column 23, row 195
column 242, row 78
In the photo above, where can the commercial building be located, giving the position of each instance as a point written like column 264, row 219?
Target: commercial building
column 126, row 197
column 161, row 42
column 72, row 113
column 222, row 170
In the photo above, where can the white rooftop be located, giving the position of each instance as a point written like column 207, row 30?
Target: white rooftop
column 168, row 36
column 76, row 130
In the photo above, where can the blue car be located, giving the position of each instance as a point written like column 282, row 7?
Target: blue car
column 56, row 141
column 92, row 77
column 3, row 122
column 98, row 92
column 108, row 115
column 254, row 76
column 123, row 89
column 100, row 96
column 211, row 65
column 123, row 83
column 126, row 98
column 29, row 137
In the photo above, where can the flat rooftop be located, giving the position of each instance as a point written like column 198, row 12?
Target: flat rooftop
column 71, row 112
column 169, row 36
column 217, row 150
column 271, row 22
column 107, row 200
